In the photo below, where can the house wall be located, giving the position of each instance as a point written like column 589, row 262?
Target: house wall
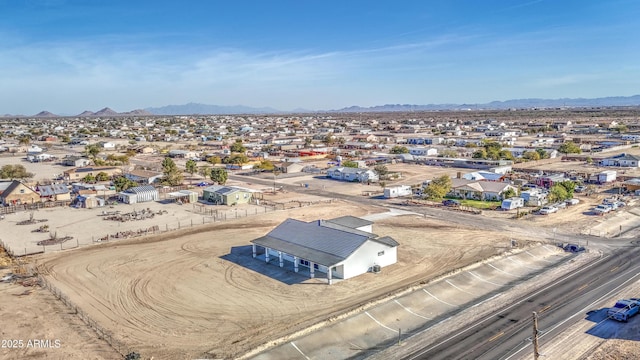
column 363, row 259
column 21, row 195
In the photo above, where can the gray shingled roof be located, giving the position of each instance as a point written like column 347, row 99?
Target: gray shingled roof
column 321, row 242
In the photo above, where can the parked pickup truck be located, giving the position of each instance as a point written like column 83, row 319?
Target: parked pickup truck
column 624, row 309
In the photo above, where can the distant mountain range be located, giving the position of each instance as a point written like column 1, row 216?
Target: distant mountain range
column 508, row 104
column 204, row 109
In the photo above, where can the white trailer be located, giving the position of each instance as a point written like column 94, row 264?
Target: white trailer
column 607, row 176
column 397, row 191
column 512, row 203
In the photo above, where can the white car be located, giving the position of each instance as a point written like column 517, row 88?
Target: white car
column 601, row 209
column 546, row 210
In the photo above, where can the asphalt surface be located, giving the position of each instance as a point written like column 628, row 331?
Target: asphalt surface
column 507, row 334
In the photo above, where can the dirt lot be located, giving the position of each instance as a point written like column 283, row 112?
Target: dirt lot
column 30, row 314
column 203, row 293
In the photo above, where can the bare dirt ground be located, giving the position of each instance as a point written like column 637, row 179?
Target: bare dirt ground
column 202, row 294
column 31, row 314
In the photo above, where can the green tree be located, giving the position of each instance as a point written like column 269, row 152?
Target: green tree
column 205, row 171
column 438, row 188
column 172, row 175
column 543, row 153
column 14, row 172
column 219, row 175
column 236, row 158
column 509, row 193
column 349, row 164
column 557, row 193
column 531, row 155
column 399, row 150
column 191, row 166
column 506, row 154
column 92, row 150
column 214, row 160
column 265, row 165
column 569, row 186
column 569, row 147
column 122, row 183
column 480, row 154
column 621, row 128
column 381, row 170
column 24, row 140
column 89, row 179
column 102, row 176
column 237, row 147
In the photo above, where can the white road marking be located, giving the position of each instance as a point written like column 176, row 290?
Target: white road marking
column 379, row 323
column 504, row 272
column 411, row 312
column 300, row 351
column 537, row 257
column 442, row 301
column 464, row 291
column 424, row 351
column 481, row 279
column 522, row 264
column 581, row 312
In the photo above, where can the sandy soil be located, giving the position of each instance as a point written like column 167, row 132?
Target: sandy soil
column 31, row 314
column 203, row 293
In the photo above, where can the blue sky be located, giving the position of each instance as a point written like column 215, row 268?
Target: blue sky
column 67, row 56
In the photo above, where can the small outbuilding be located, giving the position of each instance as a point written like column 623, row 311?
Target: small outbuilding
column 227, row 195
column 397, row 191
column 139, row 194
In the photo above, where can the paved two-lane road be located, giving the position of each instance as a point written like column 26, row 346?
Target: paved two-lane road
column 507, row 333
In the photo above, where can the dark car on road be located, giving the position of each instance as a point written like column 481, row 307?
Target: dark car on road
column 451, row 203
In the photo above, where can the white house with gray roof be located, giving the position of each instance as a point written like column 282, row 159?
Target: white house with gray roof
column 341, row 248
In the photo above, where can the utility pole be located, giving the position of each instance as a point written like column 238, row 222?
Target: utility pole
column 536, row 354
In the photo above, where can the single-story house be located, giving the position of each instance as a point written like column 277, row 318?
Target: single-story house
column 16, row 193
column 139, row 194
column 289, row 167
column 227, row 195
column 39, row 157
column 54, row 192
column 352, row 174
column 621, row 160
column 479, row 190
column 184, row 154
column 81, row 172
column 77, row 161
column 423, row 151
column 143, row 176
column 340, row 247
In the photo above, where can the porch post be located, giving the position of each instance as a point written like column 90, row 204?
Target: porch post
column 295, row 263
column 254, row 250
column 329, row 274
column 280, row 258
column 266, row 254
column 311, row 270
